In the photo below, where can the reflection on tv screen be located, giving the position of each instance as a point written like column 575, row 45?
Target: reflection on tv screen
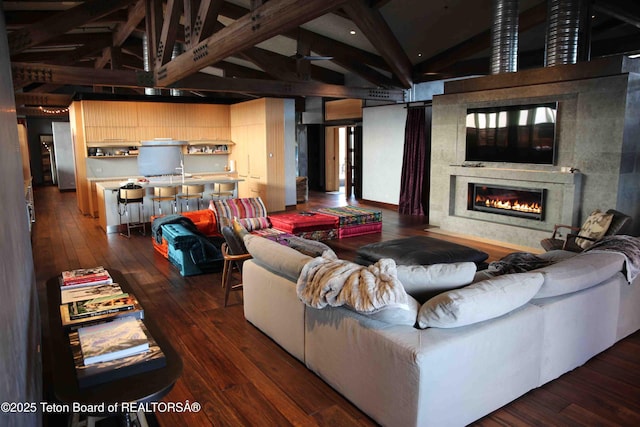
column 516, row 133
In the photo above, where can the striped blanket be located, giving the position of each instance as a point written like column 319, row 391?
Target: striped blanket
column 329, row 281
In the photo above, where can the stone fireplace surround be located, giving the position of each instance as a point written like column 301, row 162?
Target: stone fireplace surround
column 599, row 103
column 562, row 205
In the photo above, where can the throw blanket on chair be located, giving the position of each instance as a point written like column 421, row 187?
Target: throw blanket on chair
column 626, row 245
column 327, row 280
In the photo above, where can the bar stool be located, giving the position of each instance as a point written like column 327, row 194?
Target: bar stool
column 190, row 192
column 223, row 190
column 131, row 194
column 164, row 194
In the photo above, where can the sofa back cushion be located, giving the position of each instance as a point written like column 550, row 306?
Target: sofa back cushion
column 480, row 301
column 579, row 272
column 250, row 211
column 277, row 258
column 426, row 281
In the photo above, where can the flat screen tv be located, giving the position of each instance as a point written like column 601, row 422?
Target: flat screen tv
column 514, row 134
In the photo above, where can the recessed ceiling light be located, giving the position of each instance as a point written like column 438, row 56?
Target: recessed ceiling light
column 352, row 32
column 419, row 55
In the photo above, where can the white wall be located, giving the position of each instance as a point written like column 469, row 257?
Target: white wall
column 290, row 152
column 21, row 379
column 383, row 146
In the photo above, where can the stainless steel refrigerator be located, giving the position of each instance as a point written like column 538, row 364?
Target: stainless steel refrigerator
column 64, row 156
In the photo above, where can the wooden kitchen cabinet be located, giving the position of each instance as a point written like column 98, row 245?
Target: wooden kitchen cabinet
column 257, row 129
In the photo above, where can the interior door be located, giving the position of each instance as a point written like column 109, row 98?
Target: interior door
column 331, row 159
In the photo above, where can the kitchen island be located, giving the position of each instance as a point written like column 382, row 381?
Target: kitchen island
column 107, row 193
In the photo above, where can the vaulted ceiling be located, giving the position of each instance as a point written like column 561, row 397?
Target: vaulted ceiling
column 239, row 49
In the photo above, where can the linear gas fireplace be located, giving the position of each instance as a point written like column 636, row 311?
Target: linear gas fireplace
column 511, row 201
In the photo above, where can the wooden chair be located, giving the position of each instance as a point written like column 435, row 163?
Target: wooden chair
column 619, row 222
column 234, row 254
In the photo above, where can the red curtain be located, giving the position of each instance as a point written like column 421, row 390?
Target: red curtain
column 413, row 163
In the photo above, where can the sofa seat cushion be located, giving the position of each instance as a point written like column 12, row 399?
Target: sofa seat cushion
column 426, row 281
column 479, row 302
column 579, row 272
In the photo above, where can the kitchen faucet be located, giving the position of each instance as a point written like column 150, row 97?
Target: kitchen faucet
column 181, row 168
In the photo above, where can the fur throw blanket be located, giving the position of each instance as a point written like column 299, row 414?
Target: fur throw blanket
column 628, row 246
column 517, row 262
column 327, row 280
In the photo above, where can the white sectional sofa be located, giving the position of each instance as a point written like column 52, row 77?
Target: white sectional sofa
column 401, row 375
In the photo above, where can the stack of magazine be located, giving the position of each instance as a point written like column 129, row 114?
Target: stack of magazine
column 112, row 350
column 107, row 335
column 90, row 296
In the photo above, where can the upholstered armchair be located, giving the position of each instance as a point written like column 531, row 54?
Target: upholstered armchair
column 597, row 226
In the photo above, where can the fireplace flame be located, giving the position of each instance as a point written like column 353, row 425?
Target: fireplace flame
column 509, row 205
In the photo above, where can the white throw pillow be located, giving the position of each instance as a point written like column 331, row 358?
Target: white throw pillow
column 426, row 281
column 478, row 302
column 277, row 258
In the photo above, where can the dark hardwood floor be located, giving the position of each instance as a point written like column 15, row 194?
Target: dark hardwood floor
column 241, row 377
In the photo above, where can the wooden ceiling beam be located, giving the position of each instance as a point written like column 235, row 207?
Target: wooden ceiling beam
column 367, row 73
column 59, row 23
column 189, row 13
column 329, row 47
column 45, row 88
column 135, row 15
column 349, row 57
column 265, row 22
column 88, row 50
column 153, row 27
column 285, row 68
column 169, row 31
column 272, row 63
column 375, row 28
column 73, row 40
column 206, row 21
column 43, row 99
column 16, row 19
column 66, row 75
column 285, row 89
column 624, row 11
column 238, row 71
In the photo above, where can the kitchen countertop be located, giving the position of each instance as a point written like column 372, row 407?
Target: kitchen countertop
column 203, row 178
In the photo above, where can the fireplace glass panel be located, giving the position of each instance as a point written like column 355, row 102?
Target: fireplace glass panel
column 511, row 201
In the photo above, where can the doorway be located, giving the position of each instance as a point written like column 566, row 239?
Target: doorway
column 343, row 154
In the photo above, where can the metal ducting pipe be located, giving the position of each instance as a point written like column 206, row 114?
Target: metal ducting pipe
column 177, row 51
column 563, row 28
column 147, row 64
column 504, row 36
